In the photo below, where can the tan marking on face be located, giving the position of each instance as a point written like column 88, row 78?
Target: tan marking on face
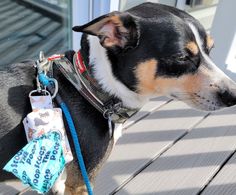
column 192, row 83
column 209, row 41
column 165, row 85
column 145, row 73
column 192, row 47
column 186, row 84
column 148, row 83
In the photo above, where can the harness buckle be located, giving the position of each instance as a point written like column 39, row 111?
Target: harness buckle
column 112, row 113
column 111, row 108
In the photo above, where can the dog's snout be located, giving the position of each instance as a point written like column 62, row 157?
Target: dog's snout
column 227, row 98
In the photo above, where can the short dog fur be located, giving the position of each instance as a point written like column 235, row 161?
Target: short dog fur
column 147, row 51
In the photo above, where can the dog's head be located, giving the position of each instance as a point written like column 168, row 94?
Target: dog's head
column 154, row 50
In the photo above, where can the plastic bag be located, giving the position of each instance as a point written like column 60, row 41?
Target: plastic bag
column 40, row 162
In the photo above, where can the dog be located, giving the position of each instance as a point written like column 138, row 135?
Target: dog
column 147, row 51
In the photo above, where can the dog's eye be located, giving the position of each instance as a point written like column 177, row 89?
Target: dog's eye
column 182, row 58
column 186, row 59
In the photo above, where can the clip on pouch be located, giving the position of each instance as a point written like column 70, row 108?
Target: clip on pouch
column 42, row 160
column 44, row 119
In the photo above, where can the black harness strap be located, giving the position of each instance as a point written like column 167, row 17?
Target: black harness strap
column 81, row 77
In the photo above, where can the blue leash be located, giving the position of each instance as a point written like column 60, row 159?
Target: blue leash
column 45, row 81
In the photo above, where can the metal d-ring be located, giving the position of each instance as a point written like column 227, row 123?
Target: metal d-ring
column 107, row 113
column 55, row 85
column 36, row 91
column 114, row 109
column 46, row 92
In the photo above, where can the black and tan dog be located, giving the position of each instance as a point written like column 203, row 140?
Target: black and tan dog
column 149, row 50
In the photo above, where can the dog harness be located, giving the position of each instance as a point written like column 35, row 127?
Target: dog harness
column 80, row 76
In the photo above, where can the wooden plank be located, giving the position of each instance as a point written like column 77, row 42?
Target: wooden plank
column 144, row 141
column 14, row 187
column 31, row 192
column 10, row 188
column 147, row 109
column 225, row 180
column 187, row 166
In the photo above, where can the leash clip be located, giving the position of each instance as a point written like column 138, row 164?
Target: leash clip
column 43, row 64
column 46, row 82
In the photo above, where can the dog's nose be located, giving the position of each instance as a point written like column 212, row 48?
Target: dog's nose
column 227, row 98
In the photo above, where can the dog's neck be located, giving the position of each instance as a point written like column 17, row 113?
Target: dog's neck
column 102, row 70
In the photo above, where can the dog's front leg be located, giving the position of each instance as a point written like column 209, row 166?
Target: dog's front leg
column 74, row 183
column 79, row 190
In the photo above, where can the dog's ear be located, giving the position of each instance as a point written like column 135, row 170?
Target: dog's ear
column 114, row 29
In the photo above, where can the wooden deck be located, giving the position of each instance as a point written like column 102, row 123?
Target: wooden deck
column 169, row 148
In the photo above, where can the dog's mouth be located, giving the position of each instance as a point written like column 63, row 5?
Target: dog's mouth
column 203, row 102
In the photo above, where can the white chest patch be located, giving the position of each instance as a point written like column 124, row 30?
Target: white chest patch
column 103, row 74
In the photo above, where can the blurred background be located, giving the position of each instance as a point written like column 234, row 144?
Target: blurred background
column 29, row 26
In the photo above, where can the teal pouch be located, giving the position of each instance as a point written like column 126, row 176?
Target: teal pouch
column 40, row 162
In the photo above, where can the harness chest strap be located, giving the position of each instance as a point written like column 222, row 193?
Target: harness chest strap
column 81, row 77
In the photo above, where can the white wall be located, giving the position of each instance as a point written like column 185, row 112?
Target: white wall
column 223, row 31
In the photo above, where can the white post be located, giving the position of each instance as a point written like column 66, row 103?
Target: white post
column 114, row 5
column 181, row 4
column 224, row 32
column 84, row 11
column 80, row 15
column 100, row 7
